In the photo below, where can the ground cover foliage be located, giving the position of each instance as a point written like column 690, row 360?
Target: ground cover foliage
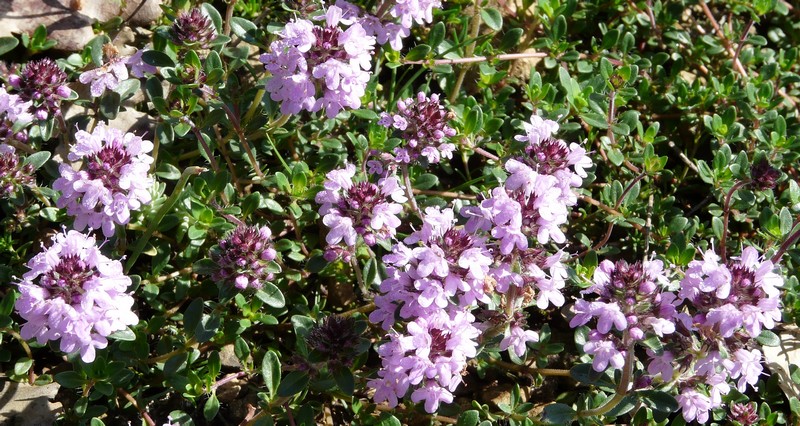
column 406, row 212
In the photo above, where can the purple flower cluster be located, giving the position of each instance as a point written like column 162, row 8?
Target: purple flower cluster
column 245, row 258
column 712, row 322
column 430, row 357
column 442, row 271
column 14, row 116
column 75, row 294
column 43, row 84
column 309, row 58
column 422, row 124
column 13, row 173
column 631, row 298
column 725, row 307
column 352, row 209
column 112, row 181
column 536, row 198
column 393, row 19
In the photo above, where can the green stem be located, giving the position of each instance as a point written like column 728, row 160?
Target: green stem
column 475, row 30
column 622, row 388
column 166, row 207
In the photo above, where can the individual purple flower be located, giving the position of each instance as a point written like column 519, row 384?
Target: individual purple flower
column 537, row 130
column 75, row 294
column 351, row 209
column 112, row 182
column 747, row 367
column 422, row 125
column 43, row 84
column 517, row 338
column 604, row 351
column 245, row 258
column 14, row 174
column 106, row 77
column 14, row 116
column 309, row 57
column 139, row 68
column 694, row 405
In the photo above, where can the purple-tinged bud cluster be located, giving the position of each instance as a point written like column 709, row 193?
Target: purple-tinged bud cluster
column 106, row 77
column 75, row 294
column 44, row 84
column 351, row 209
column 393, row 19
column 744, row 414
column 14, row 116
column 193, row 28
column 245, row 258
column 336, row 338
column 113, row 179
column 763, row 176
column 422, row 124
column 13, row 173
column 311, row 58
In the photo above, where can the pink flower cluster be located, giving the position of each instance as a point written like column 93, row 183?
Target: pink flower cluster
column 309, row 57
column 14, row 115
column 711, row 324
column 393, row 19
column 442, row 271
column 73, row 293
column 112, row 181
column 352, row 209
column 244, row 258
column 422, row 124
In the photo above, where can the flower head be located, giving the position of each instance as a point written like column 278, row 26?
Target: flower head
column 422, row 124
column 44, row 84
column 193, row 28
column 309, row 57
column 13, row 116
column 336, row 337
column 763, row 175
column 351, row 209
column 13, row 173
column 245, row 258
column 75, row 294
column 112, row 181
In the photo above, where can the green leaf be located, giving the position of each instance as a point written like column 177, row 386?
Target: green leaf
column 558, row 414
column 659, row 400
column 96, row 422
column 168, row 171
column 37, row 159
column 418, row 52
column 473, row 123
column 22, row 366
column 366, row 114
column 344, row 380
column 192, row 316
column 109, row 104
column 387, row 419
column 426, row 181
column 468, row 418
column 294, row 383
column 126, row 335
column 436, row 35
column 211, row 408
column 214, row 15
column 70, row 379
column 492, row 18
column 595, row 120
column 271, row 371
column 768, row 338
column 244, row 29
column 157, row 59
column 207, row 328
column 271, row 295
column 7, row 44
